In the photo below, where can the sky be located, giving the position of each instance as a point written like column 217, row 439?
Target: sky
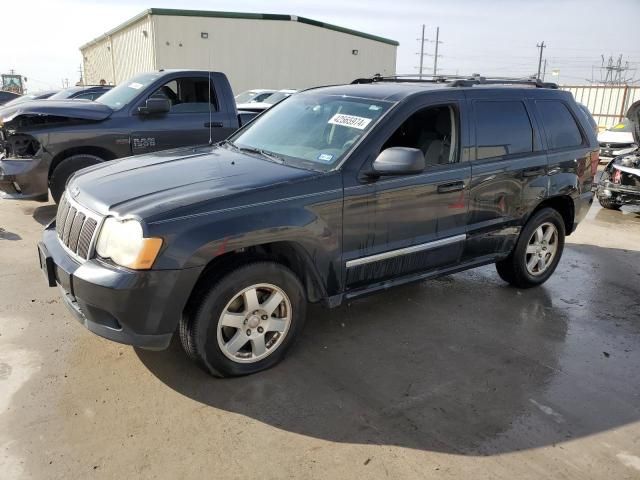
column 491, row 37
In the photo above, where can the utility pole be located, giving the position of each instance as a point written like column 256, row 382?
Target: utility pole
column 421, row 51
column 544, row 69
column 541, row 46
column 422, row 54
column 435, row 57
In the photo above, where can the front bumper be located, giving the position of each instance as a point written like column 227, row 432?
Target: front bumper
column 24, row 179
column 140, row 308
column 622, row 194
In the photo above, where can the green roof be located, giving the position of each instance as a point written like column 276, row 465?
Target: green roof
column 241, row 15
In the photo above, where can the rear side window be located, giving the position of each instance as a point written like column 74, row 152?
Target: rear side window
column 502, row 128
column 559, row 125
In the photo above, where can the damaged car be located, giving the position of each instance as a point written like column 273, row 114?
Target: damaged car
column 620, row 181
column 43, row 143
column 617, row 140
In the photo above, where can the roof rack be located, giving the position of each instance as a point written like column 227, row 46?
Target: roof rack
column 457, row 80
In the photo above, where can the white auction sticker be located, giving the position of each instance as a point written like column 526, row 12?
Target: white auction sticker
column 350, row 121
column 135, row 85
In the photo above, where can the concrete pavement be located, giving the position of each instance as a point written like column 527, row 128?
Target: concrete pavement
column 460, row 377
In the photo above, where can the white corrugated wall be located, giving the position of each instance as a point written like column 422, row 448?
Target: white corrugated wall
column 269, row 53
column 119, row 56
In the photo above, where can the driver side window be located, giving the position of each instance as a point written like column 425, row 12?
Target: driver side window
column 432, row 130
column 188, row 95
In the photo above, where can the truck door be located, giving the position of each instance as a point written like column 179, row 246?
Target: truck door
column 195, row 114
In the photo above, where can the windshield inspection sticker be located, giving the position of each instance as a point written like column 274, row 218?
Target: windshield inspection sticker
column 325, row 157
column 350, row 121
column 135, row 85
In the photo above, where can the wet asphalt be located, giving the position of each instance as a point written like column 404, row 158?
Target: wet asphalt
column 459, row 377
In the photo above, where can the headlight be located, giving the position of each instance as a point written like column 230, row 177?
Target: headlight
column 123, row 242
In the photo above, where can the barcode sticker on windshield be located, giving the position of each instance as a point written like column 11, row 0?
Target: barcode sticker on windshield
column 135, row 85
column 350, row 121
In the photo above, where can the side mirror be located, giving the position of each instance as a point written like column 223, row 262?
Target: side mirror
column 399, row 161
column 155, row 105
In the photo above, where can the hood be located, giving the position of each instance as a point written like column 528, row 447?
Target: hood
column 147, row 185
column 611, row 136
column 633, row 114
column 75, row 109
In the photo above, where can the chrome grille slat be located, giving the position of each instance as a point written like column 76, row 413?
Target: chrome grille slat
column 67, row 225
column 76, row 228
column 74, row 234
column 86, row 235
column 63, row 210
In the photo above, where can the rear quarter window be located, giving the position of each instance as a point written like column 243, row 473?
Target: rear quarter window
column 560, row 126
column 502, row 128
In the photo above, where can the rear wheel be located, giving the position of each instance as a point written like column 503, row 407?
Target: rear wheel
column 537, row 252
column 66, row 168
column 608, row 203
column 246, row 321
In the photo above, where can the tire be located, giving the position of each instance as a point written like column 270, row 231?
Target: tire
column 226, row 351
column 66, row 168
column 608, row 203
column 515, row 269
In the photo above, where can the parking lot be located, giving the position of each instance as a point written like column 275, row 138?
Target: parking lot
column 461, row 377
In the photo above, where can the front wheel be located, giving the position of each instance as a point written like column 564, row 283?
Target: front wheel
column 65, row 169
column 246, row 321
column 537, row 252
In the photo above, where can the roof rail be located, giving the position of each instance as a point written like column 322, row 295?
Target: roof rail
column 457, row 80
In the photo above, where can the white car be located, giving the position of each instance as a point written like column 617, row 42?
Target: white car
column 617, row 140
column 254, row 96
column 267, row 103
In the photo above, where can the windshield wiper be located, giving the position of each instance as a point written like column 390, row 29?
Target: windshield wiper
column 265, row 153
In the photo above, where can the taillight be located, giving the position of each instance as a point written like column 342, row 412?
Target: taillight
column 595, row 160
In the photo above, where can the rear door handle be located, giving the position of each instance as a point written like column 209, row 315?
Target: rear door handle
column 534, row 172
column 213, row 124
column 450, row 187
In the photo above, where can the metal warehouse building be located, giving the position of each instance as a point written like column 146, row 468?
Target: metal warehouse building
column 254, row 50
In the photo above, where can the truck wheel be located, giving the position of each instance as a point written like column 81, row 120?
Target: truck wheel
column 66, row 168
column 608, row 203
column 246, row 321
column 537, row 252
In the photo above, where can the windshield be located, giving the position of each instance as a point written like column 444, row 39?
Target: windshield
column 312, row 130
column 62, row 94
column 121, row 95
column 247, row 97
column 623, row 126
column 276, row 97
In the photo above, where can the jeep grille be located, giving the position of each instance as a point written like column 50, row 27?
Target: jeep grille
column 76, row 228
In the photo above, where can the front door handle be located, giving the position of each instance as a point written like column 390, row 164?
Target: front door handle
column 213, row 124
column 450, row 187
column 534, row 172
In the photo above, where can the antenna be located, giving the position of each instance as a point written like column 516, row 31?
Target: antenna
column 210, row 123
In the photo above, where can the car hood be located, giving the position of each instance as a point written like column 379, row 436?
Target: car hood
column 73, row 109
column 146, row 186
column 610, row 136
column 633, row 114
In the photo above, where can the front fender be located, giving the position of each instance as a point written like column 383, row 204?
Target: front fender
column 312, row 223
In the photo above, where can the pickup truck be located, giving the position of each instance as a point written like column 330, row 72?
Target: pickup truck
column 43, row 143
